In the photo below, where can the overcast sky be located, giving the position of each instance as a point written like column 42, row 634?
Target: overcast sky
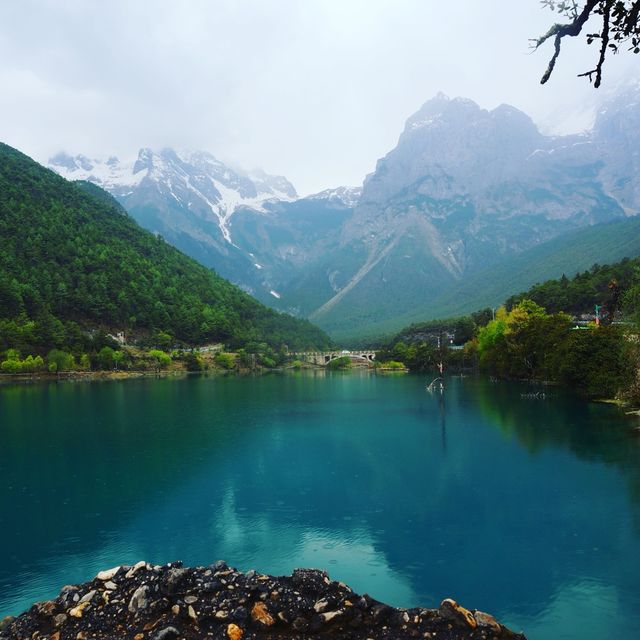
column 316, row 90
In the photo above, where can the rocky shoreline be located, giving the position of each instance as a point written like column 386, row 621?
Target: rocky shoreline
column 170, row 602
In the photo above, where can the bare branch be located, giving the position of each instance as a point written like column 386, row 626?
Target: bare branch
column 606, row 14
column 559, row 31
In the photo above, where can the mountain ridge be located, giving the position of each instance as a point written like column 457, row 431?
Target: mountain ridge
column 464, row 188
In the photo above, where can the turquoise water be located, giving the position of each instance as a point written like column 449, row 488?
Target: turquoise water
column 528, row 509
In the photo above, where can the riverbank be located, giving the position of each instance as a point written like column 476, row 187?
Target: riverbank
column 170, row 602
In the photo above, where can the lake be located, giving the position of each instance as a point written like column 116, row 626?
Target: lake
column 526, row 508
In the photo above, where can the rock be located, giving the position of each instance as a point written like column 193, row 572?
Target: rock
column 220, row 565
column 67, row 594
column 45, row 608
column 321, row 605
column 486, row 621
column 76, row 612
column 305, row 604
column 452, row 611
column 234, row 632
column 139, row 600
column 87, row 597
column 168, row 633
column 112, row 586
column 175, row 578
column 330, row 615
column 108, row 574
column 261, row 614
column 60, row 619
column 136, row 567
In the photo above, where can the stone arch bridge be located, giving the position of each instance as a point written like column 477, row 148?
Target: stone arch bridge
column 363, row 358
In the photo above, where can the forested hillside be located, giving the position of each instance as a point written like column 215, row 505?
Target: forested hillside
column 581, row 293
column 73, row 263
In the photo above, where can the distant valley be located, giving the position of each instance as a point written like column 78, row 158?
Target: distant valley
column 469, row 207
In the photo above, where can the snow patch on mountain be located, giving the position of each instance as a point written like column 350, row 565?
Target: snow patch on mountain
column 345, row 196
column 193, row 180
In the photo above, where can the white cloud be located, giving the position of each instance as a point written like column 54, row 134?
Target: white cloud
column 315, row 90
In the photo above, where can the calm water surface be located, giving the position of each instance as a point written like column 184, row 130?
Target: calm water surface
column 528, row 509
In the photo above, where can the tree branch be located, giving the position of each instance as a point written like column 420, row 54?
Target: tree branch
column 559, row 31
column 604, row 35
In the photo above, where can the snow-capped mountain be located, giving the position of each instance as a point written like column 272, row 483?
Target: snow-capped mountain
column 340, row 196
column 464, row 189
column 196, row 181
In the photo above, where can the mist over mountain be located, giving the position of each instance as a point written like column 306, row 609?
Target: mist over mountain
column 464, row 188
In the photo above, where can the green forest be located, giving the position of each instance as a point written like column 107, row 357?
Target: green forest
column 74, row 267
column 535, row 335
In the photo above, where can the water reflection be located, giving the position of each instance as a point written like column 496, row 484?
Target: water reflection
column 510, row 506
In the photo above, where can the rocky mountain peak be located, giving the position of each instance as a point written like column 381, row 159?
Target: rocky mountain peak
column 144, row 161
column 347, row 197
column 194, row 185
column 456, row 146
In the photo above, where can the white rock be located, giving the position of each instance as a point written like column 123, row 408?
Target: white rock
column 321, row 605
column 136, row 567
column 330, row 615
column 108, row 574
column 138, row 600
column 87, row 596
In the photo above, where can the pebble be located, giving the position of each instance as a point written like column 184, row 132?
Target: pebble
column 176, row 576
column 60, row 619
column 108, row 574
column 330, row 615
column 261, row 614
column 136, row 567
column 139, row 599
column 88, row 596
column 321, row 605
column 234, row 632
column 76, row 612
column 168, row 633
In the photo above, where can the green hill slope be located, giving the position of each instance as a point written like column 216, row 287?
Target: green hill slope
column 568, row 254
column 581, row 293
column 72, row 260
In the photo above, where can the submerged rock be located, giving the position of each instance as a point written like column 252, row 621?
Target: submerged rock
column 171, row 602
